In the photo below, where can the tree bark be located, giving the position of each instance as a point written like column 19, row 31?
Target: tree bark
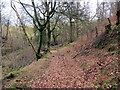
column 96, row 31
column 38, row 54
column 0, row 24
column 71, row 32
column 118, row 13
column 49, row 36
column 6, row 37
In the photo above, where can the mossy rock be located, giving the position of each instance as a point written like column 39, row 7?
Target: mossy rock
column 13, row 74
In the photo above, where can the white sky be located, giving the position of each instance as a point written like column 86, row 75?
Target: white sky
column 9, row 11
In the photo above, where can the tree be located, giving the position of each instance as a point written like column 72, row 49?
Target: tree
column 50, row 7
column 7, row 31
column 118, row 13
column 2, row 5
column 40, row 18
column 74, row 13
column 23, row 26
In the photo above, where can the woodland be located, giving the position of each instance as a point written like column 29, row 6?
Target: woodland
column 60, row 44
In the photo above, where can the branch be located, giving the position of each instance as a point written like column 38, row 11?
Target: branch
column 29, row 14
column 35, row 12
column 57, row 35
column 23, row 25
column 55, row 24
column 109, row 20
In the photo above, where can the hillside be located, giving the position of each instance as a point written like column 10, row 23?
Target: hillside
column 60, row 44
column 87, row 64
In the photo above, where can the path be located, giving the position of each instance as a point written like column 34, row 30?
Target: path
column 64, row 71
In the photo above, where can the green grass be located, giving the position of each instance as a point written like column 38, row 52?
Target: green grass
column 47, row 54
column 16, row 85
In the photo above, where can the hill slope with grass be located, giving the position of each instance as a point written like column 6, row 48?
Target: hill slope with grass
column 87, row 63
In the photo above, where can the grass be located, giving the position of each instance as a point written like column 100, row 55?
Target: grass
column 47, row 54
column 28, row 73
column 15, row 85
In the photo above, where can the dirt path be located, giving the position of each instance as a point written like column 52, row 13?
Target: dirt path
column 64, row 71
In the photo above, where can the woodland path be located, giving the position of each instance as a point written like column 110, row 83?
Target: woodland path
column 68, row 68
column 75, row 66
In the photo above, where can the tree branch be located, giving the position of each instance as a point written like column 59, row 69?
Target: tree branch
column 23, row 25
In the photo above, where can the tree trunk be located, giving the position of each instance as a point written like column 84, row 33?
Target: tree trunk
column 0, row 24
column 44, row 39
column 54, row 38
column 77, row 32
column 49, row 36
column 118, row 13
column 6, row 37
column 38, row 54
column 96, row 31
column 71, row 32
column 35, row 32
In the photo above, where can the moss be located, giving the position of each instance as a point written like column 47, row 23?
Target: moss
column 47, row 54
column 13, row 74
column 96, row 83
column 16, row 86
column 10, row 66
column 99, row 45
column 100, row 88
column 10, row 88
column 118, row 52
column 111, row 48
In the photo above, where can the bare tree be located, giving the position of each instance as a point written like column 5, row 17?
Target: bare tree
column 41, row 19
column 118, row 13
column 7, row 31
column 22, row 24
column 2, row 5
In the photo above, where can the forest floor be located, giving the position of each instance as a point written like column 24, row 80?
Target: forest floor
column 79, row 65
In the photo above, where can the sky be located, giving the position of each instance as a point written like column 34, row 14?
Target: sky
column 8, row 10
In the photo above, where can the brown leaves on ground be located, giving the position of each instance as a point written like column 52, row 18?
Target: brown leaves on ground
column 76, row 66
column 65, row 71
